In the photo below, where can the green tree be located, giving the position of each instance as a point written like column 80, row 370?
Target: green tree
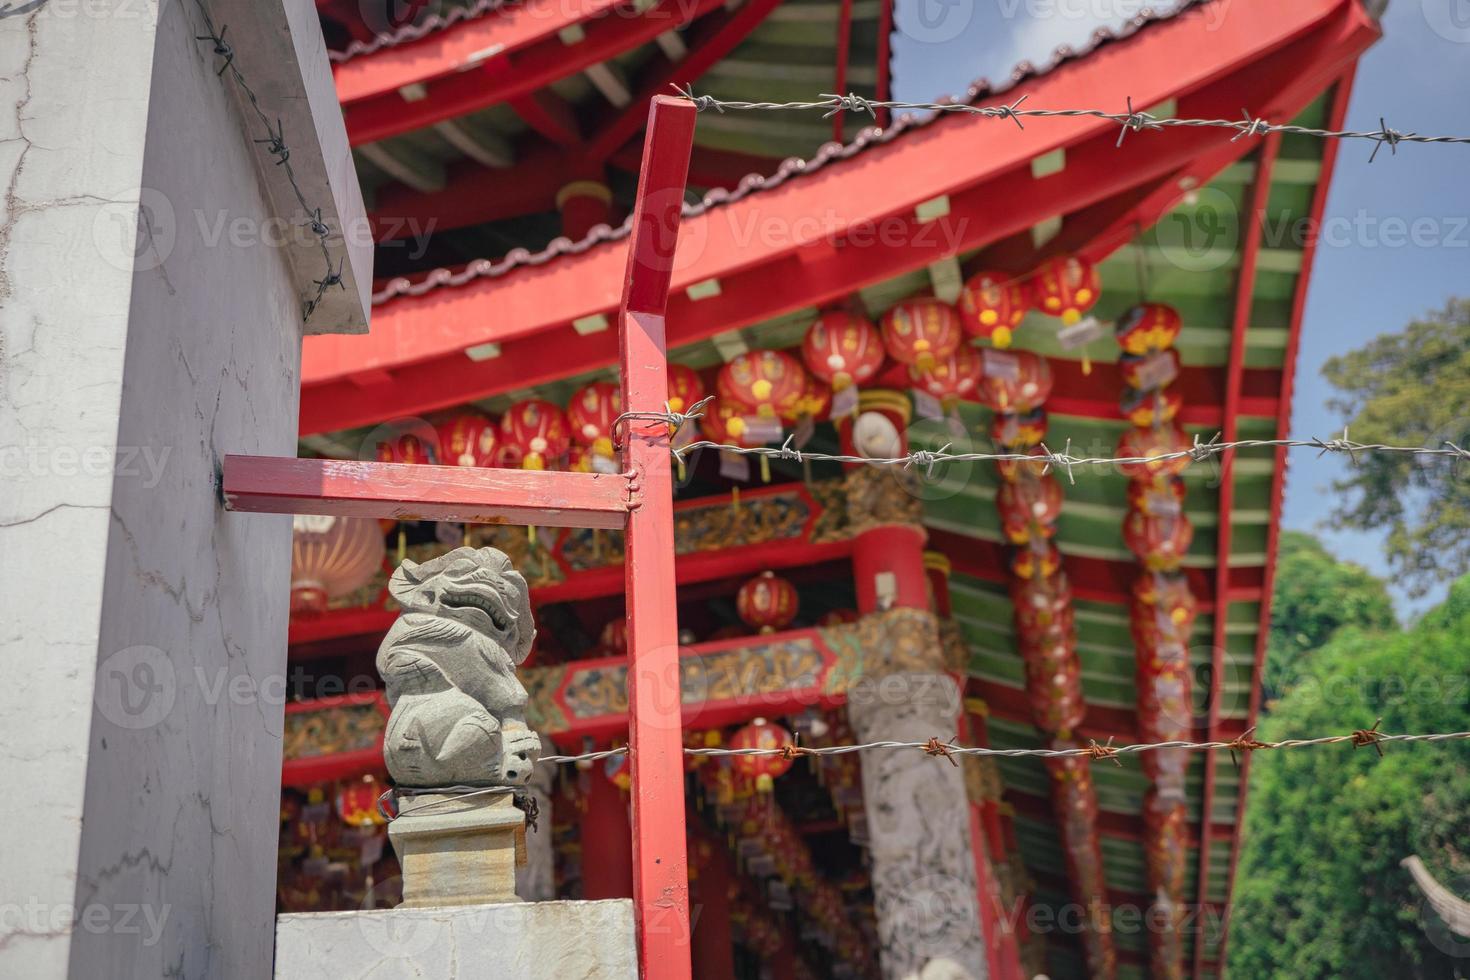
column 1410, row 388
column 1316, row 594
column 1321, row 892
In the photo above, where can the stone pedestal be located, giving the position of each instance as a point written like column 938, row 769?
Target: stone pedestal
column 457, row 850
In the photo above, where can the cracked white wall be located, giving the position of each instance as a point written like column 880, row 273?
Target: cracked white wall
column 139, row 623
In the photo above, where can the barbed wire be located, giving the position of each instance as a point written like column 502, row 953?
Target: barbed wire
column 1200, row 451
column 935, row 748
column 1130, row 121
column 275, row 142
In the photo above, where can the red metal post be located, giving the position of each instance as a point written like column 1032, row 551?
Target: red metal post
column 1253, row 222
column 660, row 862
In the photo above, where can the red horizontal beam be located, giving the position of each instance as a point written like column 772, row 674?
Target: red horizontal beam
column 444, row 52
column 422, row 339
column 408, row 491
column 512, row 76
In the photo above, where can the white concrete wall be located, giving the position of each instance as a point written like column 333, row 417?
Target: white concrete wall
column 73, row 112
column 526, row 941
column 143, row 628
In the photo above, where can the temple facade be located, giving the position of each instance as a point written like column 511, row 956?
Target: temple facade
column 858, row 288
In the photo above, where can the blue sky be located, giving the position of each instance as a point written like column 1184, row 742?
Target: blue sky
column 1364, row 283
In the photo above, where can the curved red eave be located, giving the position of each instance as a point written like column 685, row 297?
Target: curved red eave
column 808, row 238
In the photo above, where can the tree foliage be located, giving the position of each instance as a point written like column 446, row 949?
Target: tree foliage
column 1410, row 388
column 1321, row 892
column 1315, row 596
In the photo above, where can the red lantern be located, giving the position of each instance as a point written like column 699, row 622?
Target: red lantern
column 1018, row 431
column 614, row 636
column 1011, row 470
column 591, row 414
column 408, row 447
column 1014, row 381
column 1164, row 607
column 1043, row 605
column 535, row 434
column 1147, row 327
column 685, row 387
column 1150, row 444
column 992, row 305
column 761, row 734
column 357, row 802
column 1150, row 408
column 1145, row 371
column 1054, row 688
column 1159, row 543
column 331, row 557
column 1029, row 507
column 921, row 331
column 1157, row 497
column 723, row 422
column 1039, row 558
column 767, row 602
column 468, row 439
column 951, row 379
column 768, row 383
column 843, row 349
column 1066, row 286
column 814, row 403
column 1164, row 710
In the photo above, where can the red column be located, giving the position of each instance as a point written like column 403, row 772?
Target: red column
column 583, row 204
column 710, row 911
column 607, row 841
column 888, row 568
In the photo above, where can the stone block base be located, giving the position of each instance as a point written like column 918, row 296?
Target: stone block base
column 457, row 850
column 525, row 940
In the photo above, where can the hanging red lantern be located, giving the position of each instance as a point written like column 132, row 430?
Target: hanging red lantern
column 331, row 557
column 843, row 349
column 1018, row 431
column 1054, row 688
column 1157, row 497
column 1029, row 507
column 992, row 305
column 614, row 636
column 921, row 331
column 685, row 387
column 1165, row 451
column 1147, row 327
column 357, row 802
column 815, row 402
column 1164, row 599
column 951, row 379
column 767, row 383
column 1147, row 371
column 1066, row 286
column 409, row 447
column 761, row 734
column 468, row 439
column 767, row 602
column 591, row 414
column 1040, row 557
column 535, row 434
column 1160, row 542
column 1164, row 710
column 1014, row 381
column 723, row 422
column 1036, row 466
column 1042, row 604
column 1149, row 408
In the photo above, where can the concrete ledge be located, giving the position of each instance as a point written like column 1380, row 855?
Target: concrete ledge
column 525, row 940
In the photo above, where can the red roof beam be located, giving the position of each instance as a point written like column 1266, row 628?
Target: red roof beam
column 506, row 76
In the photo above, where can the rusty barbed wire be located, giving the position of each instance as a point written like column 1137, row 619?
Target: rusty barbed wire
column 935, row 748
column 275, row 144
column 1128, row 121
column 1201, row 451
